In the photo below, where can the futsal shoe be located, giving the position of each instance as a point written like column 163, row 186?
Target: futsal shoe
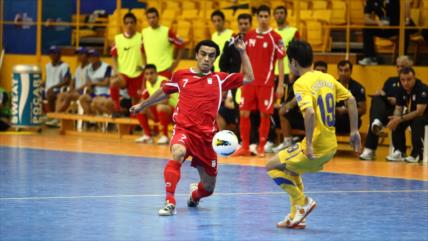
column 168, row 210
column 163, row 140
column 303, row 211
column 286, row 223
column 412, row 159
column 242, row 152
column 190, row 202
column 145, row 139
column 396, row 156
column 368, row 154
column 261, row 151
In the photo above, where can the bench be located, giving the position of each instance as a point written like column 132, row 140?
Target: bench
column 68, row 124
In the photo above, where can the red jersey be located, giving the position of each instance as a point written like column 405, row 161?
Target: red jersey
column 200, row 97
column 264, row 49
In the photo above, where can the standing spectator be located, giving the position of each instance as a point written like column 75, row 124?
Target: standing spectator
column 127, row 53
column 321, row 66
column 410, row 110
column 388, row 14
column 160, row 112
column 99, row 73
column 382, row 106
column 57, row 76
column 221, row 34
column 4, row 110
column 77, row 84
column 159, row 42
column 230, row 62
column 264, row 48
column 288, row 34
column 344, row 69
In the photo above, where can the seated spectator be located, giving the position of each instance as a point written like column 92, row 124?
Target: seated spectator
column 344, row 69
column 98, row 74
column 161, row 112
column 321, row 66
column 382, row 106
column 77, row 84
column 410, row 110
column 290, row 118
column 4, row 110
column 381, row 13
column 57, row 76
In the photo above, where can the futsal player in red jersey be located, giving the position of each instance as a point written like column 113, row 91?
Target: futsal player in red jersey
column 200, row 96
column 264, row 47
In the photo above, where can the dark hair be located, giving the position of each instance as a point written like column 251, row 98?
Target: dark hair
column 283, row 8
column 208, row 43
column 218, row 13
column 245, row 16
column 320, row 63
column 150, row 66
column 407, row 70
column 343, row 63
column 263, row 8
column 152, row 10
column 300, row 51
column 130, row 15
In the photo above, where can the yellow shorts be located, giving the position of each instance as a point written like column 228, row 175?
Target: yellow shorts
column 296, row 161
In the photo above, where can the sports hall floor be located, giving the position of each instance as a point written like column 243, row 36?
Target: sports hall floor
column 72, row 188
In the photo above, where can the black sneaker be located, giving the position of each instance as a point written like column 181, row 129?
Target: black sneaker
column 190, row 202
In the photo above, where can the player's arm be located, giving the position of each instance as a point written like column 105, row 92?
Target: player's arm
column 309, row 119
column 362, row 108
column 397, row 118
column 355, row 139
column 280, row 88
column 157, row 97
column 247, row 69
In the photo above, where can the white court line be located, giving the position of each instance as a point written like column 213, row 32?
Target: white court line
column 215, row 194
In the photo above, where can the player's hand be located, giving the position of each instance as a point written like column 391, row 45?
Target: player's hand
column 355, row 141
column 136, row 108
column 309, row 151
column 279, row 92
column 394, row 121
column 240, row 45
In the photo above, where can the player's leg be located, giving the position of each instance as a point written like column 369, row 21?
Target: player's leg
column 172, row 174
column 247, row 104
column 116, row 83
column 59, row 104
column 164, row 113
column 202, row 189
column 285, row 169
column 143, row 119
column 265, row 101
column 85, row 101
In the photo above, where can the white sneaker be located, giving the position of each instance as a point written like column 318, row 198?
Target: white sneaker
column 303, row 211
column 376, row 126
column 395, row 156
column 190, row 202
column 368, row 154
column 168, row 210
column 144, row 139
column 268, row 147
column 282, row 146
column 287, row 221
column 368, row 61
column 411, row 159
column 163, row 140
column 52, row 123
column 253, row 149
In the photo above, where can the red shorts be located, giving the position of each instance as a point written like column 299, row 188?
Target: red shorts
column 200, row 148
column 133, row 85
column 257, row 98
column 166, row 73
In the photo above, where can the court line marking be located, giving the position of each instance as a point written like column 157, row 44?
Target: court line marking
column 216, row 194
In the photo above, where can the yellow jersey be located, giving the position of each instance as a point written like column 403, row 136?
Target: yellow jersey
column 129, row 55
column 152, row 88
column 287, row 34
column 321, row 92
column 220, row 39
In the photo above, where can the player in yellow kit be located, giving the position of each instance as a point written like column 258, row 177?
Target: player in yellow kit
column 317, row 94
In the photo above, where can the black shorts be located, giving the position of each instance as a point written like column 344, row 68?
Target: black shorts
column 229, row 115
column 294, row 116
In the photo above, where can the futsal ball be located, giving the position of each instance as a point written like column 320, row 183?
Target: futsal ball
column 225, row 143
